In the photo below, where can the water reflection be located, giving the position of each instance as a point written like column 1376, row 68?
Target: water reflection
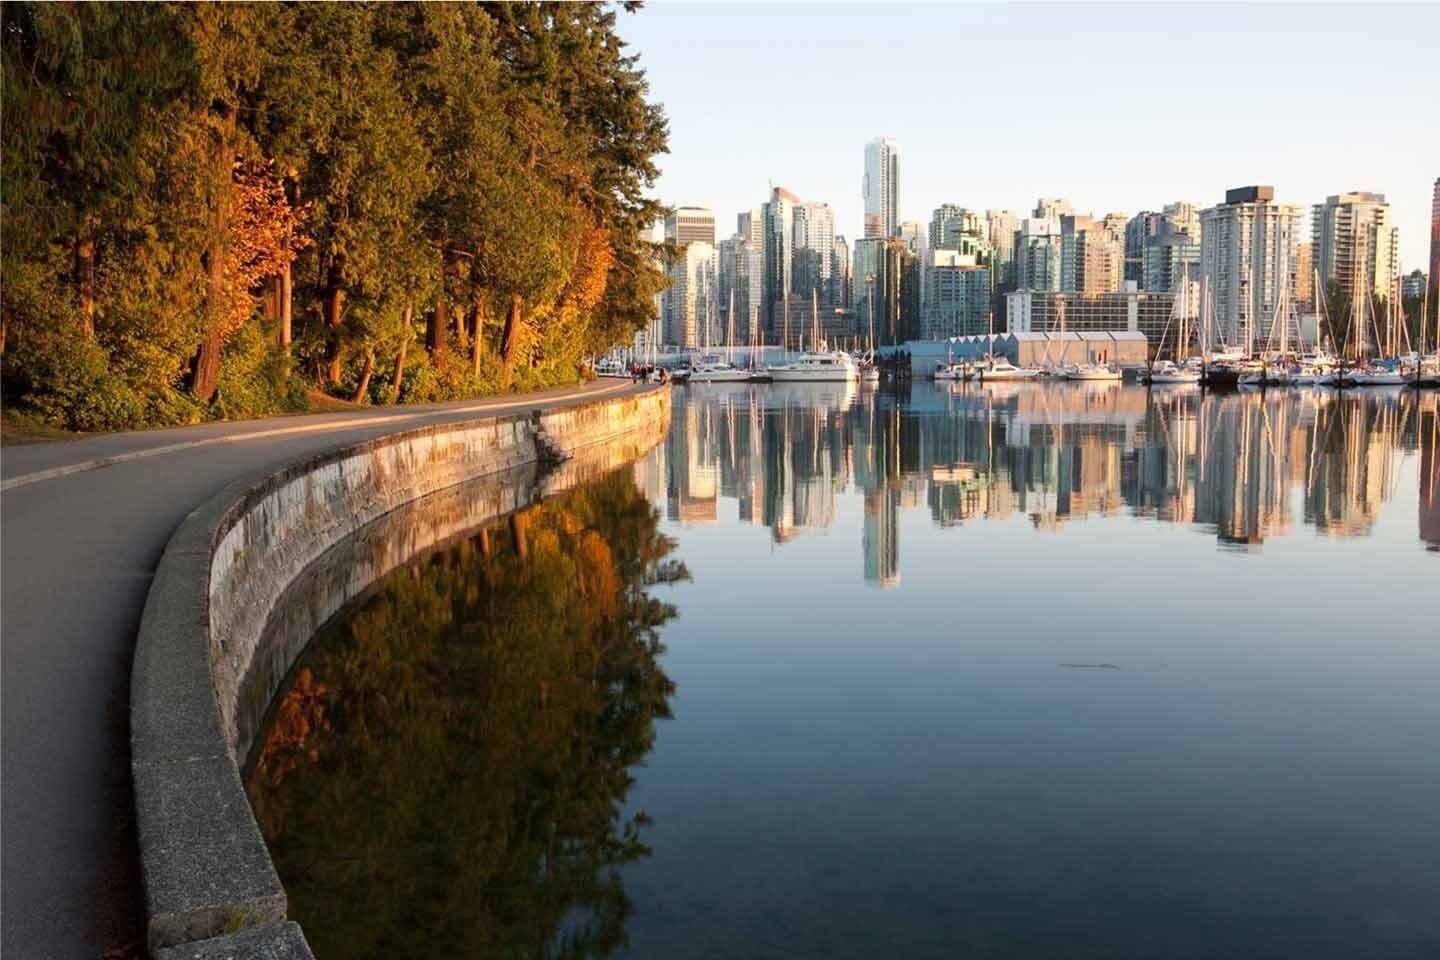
column 1242, row 466
column 446, row 770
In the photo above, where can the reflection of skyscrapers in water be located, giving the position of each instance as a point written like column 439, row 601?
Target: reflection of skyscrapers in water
column 881, row 543
column 1240, row 464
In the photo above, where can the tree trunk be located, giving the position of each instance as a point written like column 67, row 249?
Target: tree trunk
column 334, row 302
column 85, row 277
column 363, row 389
column 400, row 357
column 287, row 291
column 519, row 524
column 205, row 373
column 477, row 334
column 435, row 332
column 510, row 342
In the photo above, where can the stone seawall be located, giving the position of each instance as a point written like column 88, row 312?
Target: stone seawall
column 242, row 586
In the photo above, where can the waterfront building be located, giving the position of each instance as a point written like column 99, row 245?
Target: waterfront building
column 690, row 224
column 1412, row 285
column 814, row 245
column 1169, row 255
column 750, row 224
column 1354, row 244
column 1002, row 225
column 690, row 298
column 1037, row 254
column 738, row 287
column 840, row 283
column 1305, row 275
column 867, row 259
column 959, row 291
column 1092, row 256
column 897, row 295
column 917, row 241
column 1133, row 310
column 881, row 187
column 778, row 222
column 951, row 225
column 1247, row 260
column 1138, row 230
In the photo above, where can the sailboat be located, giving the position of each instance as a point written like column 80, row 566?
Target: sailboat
column 1167, row 371
column 717, row 369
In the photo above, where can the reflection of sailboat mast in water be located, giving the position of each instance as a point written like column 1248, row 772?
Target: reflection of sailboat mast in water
column 1234, row 463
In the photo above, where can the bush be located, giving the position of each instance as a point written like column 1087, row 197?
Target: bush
column 256, row 378
column 66, row 381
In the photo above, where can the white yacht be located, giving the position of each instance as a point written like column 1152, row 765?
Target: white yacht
column 999, row 368
column 1093, row 371
column 716, row 370
column 1168, row 372
column 831, row 366
column 954, row 371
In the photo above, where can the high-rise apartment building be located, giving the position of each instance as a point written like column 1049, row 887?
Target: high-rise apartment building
column 751, row 225
column 881, row 187
column 690, row 224
column 1305, row 275
column 868, row 261
column 737, row 286
column 1002, row 227
column 1037, row 254
column 814, row 244
column 897, row 295
column 1412, row 285
column 690, row 298
column 1169, row 256
column 1248, row 261
column 950, row 223
column 1092, row 255
column 1354, row 244
column 959, row 291
column 840, row 292
column 778, row 216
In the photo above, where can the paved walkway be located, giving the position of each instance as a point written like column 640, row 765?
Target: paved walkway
column 84, row 523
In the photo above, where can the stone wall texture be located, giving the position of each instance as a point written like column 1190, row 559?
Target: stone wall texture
column 247, row 579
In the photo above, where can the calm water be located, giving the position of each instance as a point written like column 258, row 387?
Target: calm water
column 1031, row 671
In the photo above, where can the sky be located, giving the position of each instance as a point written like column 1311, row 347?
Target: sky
column 1116, row 107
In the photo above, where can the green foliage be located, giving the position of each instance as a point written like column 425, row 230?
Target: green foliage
column 480, row 155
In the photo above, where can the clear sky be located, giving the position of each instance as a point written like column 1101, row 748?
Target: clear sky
column 1115, row 107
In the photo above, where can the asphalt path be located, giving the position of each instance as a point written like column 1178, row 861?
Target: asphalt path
column 82, row 526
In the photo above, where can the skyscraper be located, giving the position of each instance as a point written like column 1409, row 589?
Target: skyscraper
column 881, row 187
column 778, row 224
column 1037, row 254
column 840, row 293
column 690, row 298
column 1092, row 256
column 689, row 224
column 1248, row 258
column 1353, row 244
column 814, row 243
column 1003, row 225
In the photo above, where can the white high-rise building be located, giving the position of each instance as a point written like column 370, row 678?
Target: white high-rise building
column 690, row 314
column 1354, row 244
column 814, row 240
column 1248, row 259
column 881, row 187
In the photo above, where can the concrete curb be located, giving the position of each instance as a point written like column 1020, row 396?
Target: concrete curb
column 205, row 868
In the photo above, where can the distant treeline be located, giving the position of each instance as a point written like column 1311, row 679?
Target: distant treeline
column 210, row 208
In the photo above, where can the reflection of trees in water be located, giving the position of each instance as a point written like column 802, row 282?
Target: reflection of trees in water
column 446, row 772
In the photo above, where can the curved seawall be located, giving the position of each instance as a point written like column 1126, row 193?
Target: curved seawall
column 238, row 593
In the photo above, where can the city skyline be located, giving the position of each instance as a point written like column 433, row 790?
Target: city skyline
column 994, row 144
